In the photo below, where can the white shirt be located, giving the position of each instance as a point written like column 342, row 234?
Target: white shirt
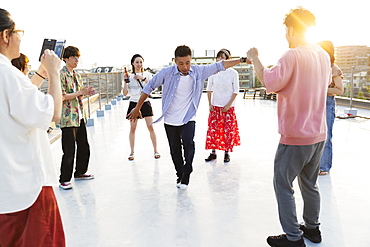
column 134, row 88
column 181, row 102
column 223, row 84
column 26, row 162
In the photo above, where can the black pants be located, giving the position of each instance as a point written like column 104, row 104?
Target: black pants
column 70, row 137
column 181, row 137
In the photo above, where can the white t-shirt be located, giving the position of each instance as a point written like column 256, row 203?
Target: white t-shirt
column 134, row 88
column 223, row 84
column 26, row 161
column 181, row 102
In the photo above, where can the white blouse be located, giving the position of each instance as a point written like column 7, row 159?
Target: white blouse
column 223, row 84
column 26, row 161
column 134, row 88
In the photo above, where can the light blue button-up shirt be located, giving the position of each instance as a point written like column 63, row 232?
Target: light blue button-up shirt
column 169, row 79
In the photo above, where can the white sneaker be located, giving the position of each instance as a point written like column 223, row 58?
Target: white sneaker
column 183, row 186
column 66, row 185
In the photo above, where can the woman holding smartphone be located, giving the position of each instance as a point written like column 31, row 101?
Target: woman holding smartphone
column 133, row 85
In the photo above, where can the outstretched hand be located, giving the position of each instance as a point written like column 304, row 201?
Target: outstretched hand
column 134, row 114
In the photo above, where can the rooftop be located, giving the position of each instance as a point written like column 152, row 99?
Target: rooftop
column 136, row 203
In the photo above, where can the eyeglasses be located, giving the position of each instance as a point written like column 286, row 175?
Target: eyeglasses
column 20, row 32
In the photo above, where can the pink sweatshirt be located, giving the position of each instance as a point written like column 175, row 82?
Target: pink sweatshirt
column 301, row 80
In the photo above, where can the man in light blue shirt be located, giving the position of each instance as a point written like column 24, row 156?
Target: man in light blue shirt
column 182, row 86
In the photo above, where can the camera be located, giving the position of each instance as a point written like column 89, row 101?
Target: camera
column 55, row 45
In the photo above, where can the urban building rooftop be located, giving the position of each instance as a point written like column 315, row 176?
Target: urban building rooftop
column 136, row 203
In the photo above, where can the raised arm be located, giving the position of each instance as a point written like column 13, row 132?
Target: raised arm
column 51, row 63
column 252, row 56
column 230, row 63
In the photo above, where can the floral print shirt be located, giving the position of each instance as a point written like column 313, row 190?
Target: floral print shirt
column 70, row 82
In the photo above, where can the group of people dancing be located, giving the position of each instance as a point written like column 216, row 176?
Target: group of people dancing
column 29, row 213
column 222, row 89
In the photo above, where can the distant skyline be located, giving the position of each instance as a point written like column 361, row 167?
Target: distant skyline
column 109, row 32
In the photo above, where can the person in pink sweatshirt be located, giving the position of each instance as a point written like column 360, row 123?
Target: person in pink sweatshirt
column 300, row 79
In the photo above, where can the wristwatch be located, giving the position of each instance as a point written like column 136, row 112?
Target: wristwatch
column 243, row 59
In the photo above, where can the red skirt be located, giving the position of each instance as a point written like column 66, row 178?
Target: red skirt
column 223, row 131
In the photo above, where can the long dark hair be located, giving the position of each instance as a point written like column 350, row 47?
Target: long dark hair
column 6, row 22
column 133, row 60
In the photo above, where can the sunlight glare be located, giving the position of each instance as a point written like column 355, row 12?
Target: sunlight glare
column 313, row 35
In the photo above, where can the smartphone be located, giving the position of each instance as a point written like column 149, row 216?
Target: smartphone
column 55, row 45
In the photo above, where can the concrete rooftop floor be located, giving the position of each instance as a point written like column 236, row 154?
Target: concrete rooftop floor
column 136, row 203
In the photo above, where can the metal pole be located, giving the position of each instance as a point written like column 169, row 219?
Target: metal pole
column 351, row 91
column 99, row 92
column 88, row 97
column 106, row 84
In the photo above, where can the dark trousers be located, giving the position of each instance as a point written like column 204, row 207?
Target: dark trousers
column 181, row 137
column 70, row 137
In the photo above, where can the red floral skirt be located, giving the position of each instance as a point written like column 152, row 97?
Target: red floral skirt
column 223, row 131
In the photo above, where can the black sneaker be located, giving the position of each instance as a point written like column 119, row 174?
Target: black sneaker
column 282, row 241
column 314, row 235
column 211, row 157
column 184, row 181
column 227, row 158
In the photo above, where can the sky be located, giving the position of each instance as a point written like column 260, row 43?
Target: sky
column 110, row 32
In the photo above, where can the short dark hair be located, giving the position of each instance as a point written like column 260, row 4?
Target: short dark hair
column 6, row 22
column 224, row 51
column 300, row 20
column 329, row 48
column 182, row 51
column 71, row 51
column 20, row 62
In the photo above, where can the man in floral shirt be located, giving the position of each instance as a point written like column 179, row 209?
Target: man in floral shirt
column 72, row 122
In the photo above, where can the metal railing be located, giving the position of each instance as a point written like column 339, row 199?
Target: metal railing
column 356, row 82
column 107, row 86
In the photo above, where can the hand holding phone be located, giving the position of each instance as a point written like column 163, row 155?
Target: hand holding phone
column 50, row 61
column 54, row 45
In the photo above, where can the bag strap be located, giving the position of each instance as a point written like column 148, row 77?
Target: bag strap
column 141, row 85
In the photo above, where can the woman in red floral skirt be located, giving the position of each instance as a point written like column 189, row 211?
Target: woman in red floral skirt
column 223, row 131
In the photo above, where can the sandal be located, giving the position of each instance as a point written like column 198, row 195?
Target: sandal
column 131, row 157
column 156, row 155
column 323, row 173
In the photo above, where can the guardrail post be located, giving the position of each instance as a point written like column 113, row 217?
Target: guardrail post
column 107, row 106
column 90, row 121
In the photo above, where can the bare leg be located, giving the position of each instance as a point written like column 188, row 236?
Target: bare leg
column 153, row 136
column 132, row 136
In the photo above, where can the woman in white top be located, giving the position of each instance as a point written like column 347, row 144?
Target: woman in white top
column 222, row 89
column 133, row 85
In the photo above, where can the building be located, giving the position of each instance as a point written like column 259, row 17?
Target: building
column 355, row 55
column 244, row 70
column 355, row 64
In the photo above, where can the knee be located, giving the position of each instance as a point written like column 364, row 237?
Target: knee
column 150, row 128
